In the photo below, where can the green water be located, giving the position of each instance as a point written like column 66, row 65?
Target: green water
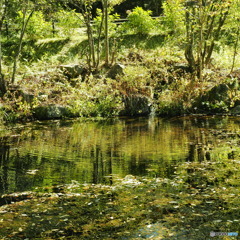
column 56, row 152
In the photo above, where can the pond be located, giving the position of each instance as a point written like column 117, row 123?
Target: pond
column 123, row 178
column 56, row 152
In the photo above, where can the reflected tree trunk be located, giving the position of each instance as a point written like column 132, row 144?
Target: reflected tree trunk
column 191, row 153
column 110, row 171
column 4, row 160
column 97, row 170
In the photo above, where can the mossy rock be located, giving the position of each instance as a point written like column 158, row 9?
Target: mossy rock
column 219, row 92
column 136, row 105
column 73, row 70
column 236, row 110
column 216, row 100
column 51, row 111
column 117, row 69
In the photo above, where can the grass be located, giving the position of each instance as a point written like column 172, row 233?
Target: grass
column 223, row 59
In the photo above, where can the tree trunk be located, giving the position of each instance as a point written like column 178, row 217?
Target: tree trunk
column 23, row 29
column 105, row 10
column 204, row 21
column 3, row 88
column 189, row 47
column 200, row 44
column 235, row 49
column 99, row 41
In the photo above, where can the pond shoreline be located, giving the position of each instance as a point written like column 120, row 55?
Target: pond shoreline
column 179, row 179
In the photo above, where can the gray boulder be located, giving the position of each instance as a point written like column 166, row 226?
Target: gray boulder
column 117, row 69
column 219, row 92
column 136, row 104
column 236, row 110
column 73, row 70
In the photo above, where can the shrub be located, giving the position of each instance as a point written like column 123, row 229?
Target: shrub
column 139, row 21
column 112, row 27
column 67, row 21
column 98, row 99
column 37, row 26
column 173, row 16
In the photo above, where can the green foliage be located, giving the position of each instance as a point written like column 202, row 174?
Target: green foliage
column 67, row 22
column 17, row 110
column 139, row 21
column 96, row 100
column 169, row 108
column 215, row 107
column 173, row 20
column 112, row 27
column 108, row 105
column 2, row 114
column 37, row 27
column 231, row 30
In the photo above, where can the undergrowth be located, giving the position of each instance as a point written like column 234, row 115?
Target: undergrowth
column 154, row 67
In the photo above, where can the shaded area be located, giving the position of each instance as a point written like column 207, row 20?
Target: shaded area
column 50, row 47
column 143, row 41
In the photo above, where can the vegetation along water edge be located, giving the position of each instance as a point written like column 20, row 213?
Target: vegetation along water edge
column 64, row 59
column 69, row 59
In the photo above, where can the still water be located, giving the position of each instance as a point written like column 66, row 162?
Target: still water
column 50, row 153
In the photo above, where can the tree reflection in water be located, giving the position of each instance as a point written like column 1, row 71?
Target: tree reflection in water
column 52, row 153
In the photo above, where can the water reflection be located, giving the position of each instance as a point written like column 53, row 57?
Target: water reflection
column 49, row 153
column 4, row 156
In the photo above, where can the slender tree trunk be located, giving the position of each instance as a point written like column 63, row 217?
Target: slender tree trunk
column 105, row 10
column 190, row 41
column 3, row 88
column 23, row 29
column 200, row 44
column 235, row 49
column 53, row 28
column 89, row 56
column 99, row 40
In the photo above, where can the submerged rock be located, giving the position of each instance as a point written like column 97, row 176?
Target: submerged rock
column 51, row 111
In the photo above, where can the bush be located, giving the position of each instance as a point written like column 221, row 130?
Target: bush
column 139, row 22
column 97, row 99
column 173, row 16
column 67, row 21
column 37, row 26
column 112, row 27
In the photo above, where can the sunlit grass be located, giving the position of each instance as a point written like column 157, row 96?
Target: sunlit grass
column 224, row 58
